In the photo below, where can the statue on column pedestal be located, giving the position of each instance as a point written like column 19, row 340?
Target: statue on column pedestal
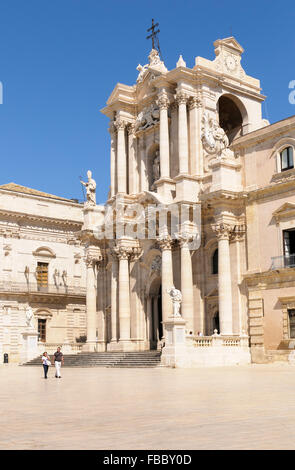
column 176, row 298
column 29, row 317
column 90, row 186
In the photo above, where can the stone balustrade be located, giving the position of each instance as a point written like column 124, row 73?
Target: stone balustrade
column 33, row 287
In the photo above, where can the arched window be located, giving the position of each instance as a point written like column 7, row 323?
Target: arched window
column 287, row 161
column 215, row 262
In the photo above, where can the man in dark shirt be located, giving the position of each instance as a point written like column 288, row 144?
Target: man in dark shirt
column 58, row 361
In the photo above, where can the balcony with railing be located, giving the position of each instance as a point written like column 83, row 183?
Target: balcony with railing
column 280, row 262
column 35, row 288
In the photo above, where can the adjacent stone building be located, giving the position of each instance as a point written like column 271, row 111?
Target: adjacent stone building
column 42, row 268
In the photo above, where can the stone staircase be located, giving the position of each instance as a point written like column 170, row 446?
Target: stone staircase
column 107, row 359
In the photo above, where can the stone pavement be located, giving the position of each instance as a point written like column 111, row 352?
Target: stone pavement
column 249, row 407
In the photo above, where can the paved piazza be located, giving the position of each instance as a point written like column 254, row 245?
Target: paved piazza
column 250, row 407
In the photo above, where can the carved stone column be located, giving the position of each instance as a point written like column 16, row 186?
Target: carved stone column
column 187, row 306
column 196, row 154
column 136, row 312
column 163, row 103
column 121, row 156
column 165, row 242
column 93, row 256
column 113, row 169
column 123, row 254
column 143, row 165
column 223, row 232
column 114, row 299
column 132, row 173
column 181, row 99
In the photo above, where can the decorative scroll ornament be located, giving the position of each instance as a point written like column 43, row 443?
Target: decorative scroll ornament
column 214, row 139
column 148, row 117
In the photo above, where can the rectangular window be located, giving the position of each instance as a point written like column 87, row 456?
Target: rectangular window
column 287, row 159
column 42, row 275
column 42, row 330
column 289, row 247
column 291, row 314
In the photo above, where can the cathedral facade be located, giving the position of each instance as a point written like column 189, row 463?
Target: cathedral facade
column 193, row 140
column 194, row 251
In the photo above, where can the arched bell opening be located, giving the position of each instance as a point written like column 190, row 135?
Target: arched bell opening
column 232, row 116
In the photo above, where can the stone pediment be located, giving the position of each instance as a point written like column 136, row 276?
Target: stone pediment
column 285, row 211
column 230, row 43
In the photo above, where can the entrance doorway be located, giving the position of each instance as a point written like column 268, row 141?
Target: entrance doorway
column 155, row 320
column 215, row 323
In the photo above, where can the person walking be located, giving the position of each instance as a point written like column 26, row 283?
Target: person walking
column 58, row 361
column 46, row 363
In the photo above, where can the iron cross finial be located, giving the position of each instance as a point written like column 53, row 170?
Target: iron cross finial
column 153, row 35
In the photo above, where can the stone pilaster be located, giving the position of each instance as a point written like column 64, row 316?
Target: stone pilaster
column 223, row 232
column 113, row 169
column 93, row 256
column 163, row 103
column 114, row 299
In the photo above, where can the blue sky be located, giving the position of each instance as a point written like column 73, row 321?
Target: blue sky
column 60, row 60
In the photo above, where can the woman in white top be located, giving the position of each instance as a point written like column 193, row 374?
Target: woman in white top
column 46, row 363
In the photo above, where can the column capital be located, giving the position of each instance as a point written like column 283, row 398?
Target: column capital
column 165, row 242
column 93, row 256
column 120, row 124
column 222, row 231
column 181, row 97
column 163, row 100
column 122, row 252
column 195, row 102
column 238, row 232
column 184, row 238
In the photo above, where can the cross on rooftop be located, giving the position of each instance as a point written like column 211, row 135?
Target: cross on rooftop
column 153, row 35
